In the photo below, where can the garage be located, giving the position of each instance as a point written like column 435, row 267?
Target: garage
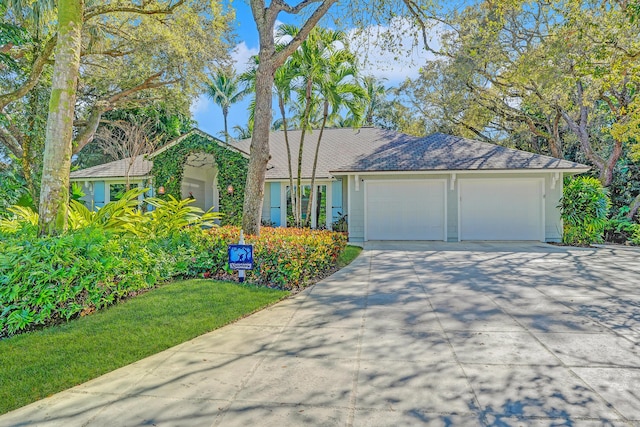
column 501, row 209
column 405, row 210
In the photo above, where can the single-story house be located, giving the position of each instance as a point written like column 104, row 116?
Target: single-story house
column 393, row 186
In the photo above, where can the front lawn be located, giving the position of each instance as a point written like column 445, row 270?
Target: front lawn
column 41, row 363
column 348, row 255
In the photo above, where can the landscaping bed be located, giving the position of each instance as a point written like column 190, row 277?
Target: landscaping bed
column 48, row 280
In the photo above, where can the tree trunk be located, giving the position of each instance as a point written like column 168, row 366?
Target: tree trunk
column 54, row 193
column 305, row 123
column 633, row 208
column 292, row 193
column 225, row 113
column 265, row 18
column 315, row 163
column 254, row 190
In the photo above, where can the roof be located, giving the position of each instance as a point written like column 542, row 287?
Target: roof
column 196, row 131
column 451, row 153
column 347, row 150
column 142, row 164
column 362, row 150
column 118, row 168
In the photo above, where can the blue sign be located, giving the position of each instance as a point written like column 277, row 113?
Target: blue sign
column 241, row 257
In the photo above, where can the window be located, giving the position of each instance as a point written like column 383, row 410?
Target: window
column 319, row 211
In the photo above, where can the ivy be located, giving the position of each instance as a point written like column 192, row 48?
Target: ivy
column 168, row 169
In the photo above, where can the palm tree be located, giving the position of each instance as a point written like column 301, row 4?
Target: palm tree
column 376, row 95
column 282, row 89
column 244, row 132
column 337, row 90
column 311, row 64
column 224, row 89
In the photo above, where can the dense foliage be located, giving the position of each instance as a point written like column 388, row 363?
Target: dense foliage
column 119, row 251
column 286, row 258
column 168, row 169
column 584, row 206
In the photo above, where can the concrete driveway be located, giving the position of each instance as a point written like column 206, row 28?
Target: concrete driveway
column 409, row 334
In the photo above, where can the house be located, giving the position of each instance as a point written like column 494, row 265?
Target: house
column 393, row 186
column 198, row 177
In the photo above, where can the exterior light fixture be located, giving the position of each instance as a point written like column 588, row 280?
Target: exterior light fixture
column 161, row 190
column 230, row 189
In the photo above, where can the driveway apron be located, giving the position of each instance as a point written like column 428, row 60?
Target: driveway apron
column 409, row 334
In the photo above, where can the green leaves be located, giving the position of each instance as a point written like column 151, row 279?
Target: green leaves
column 584, row 207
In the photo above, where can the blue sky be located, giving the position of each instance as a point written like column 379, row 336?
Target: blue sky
column 393, row 66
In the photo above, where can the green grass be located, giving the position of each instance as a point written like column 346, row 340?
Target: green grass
column 349, row 254
column 37, row 364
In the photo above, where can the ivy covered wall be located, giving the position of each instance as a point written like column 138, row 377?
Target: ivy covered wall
column 168, row 169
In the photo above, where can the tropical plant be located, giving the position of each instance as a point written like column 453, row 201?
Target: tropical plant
column 113, row 216
column 169, row 216
column 584, row 207
column 325, row 75
column 376, row 96
column 22, row 217
column 124, row 216
column 224, row 89
column 337, row 90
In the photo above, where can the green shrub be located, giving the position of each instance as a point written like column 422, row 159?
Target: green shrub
column 285, row 258
column 620, row 229
column 46, row 280
column 584, row 207
column 50, row 279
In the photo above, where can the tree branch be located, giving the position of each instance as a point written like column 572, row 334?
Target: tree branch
column 34, row 76
column 91, row 125
column 421, row 17
column 11, row 142
column 92, row 12
column 281, row 56
column 294, row 10
column 87, row 133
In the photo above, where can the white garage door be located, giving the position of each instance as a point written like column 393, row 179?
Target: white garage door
column 501, row 209
column 405, row 210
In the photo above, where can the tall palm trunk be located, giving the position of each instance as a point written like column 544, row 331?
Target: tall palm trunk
column 315, row 163
column 305, row 122
column 54, row 194
column 292, row 193
column 225, row 113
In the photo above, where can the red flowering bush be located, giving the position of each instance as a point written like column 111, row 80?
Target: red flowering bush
column 286, row 258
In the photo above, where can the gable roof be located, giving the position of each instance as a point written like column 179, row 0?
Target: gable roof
column 115, row 169
column 196, row 131
column 142, row 164
column 344, row 150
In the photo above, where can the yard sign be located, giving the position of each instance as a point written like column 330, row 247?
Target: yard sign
column 241, row 257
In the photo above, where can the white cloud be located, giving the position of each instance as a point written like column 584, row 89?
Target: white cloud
column 394, row 52
column 200, row 105
column 241, row 56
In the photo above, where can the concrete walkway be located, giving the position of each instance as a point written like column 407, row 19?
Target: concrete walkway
column 437, row 334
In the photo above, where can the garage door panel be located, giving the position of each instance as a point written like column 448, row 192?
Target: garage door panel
column 500, row 210
column 405, row 210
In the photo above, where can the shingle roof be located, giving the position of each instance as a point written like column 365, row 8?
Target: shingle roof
column 378, row 150
column 445, row 152
column 115, row 169
column 370, row 150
